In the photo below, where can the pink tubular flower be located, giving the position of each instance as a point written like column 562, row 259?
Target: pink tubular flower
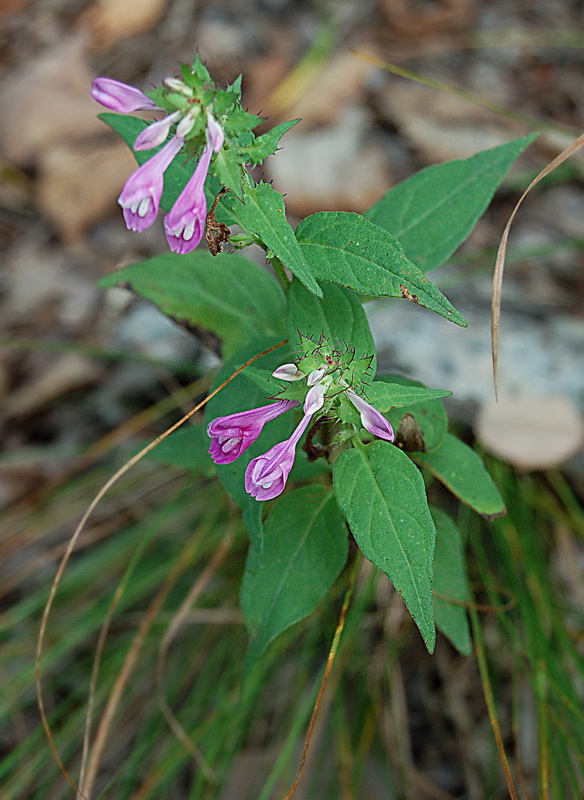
column 233, row 434
column 140, row 197
column 288, row 372
column 371, row 419
column 184, row 225
column 120, row 97
column 266, row 476
column 155, row 134
column 215, row 135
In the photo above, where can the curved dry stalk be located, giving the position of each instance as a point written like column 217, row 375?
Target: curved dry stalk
column 502, row 251
column 127, row 669
column 97, row 661
column 329, row 665
column 73, row 541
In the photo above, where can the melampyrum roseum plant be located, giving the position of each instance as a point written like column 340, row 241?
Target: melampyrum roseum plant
column 311, row 443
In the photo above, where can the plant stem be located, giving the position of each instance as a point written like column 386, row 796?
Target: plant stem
column 280, row 273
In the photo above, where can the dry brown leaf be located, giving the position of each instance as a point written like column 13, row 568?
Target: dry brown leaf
column 49, row 103
column 62, row 375
column 8, row 7
column 323, row 95
column 502, row 251
column 531, row 432
column 79, row 183
column 442, row 126
column 111, row 20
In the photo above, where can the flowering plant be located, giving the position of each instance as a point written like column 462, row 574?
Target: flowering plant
column 310, row 442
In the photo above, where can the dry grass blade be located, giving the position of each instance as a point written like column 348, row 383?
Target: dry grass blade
column 502, row 251
column 177, row 621
column 126, row 670
column 490, row 702
column 470, row 97
column 329, row 665
column 73, row 541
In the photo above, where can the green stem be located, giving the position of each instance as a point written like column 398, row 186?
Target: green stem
column 280, row 273
column 358, row 443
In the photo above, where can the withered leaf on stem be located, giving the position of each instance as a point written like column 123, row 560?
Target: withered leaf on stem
column 217, row 232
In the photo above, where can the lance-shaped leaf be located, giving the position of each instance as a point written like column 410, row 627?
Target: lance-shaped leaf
column 462, row 471
column 422, row 417
column 263, row 214
column 228, row 170
column 450, row 582
column 303, row 551
column 228, row 295
column 338, row 315
column 266, row 144
column 385, row 395
column 434, row 211
column 381, row 494
column 349, row 250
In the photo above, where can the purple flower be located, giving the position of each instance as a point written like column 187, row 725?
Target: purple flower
column 371, row 419
column 120, row 97
column 288, row 372
column 215, row 135
column 155, row 134
column 184, row 225
column 233, row 434
column 140, row 197
column 314, row 399
column 266, row 476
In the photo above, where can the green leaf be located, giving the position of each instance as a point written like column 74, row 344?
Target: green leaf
column 304, row 550
column 349, row 250
column 385, row 395
column 434, row 211
column 267, row 144
column 225, row 294
column 240, row 120
column 228, row 170
column 177, row 174
column 462, row 471
column 450, row 582
column 188, row 449
column 338, row 314
column 429, row 415
column 242, row 394
column 381, row 494
column 263, row 379
column 264, row 215
column 235, row 87
column 198, row 69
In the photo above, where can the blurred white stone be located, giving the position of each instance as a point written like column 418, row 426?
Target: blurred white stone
column 537, row 356
column 531, row 432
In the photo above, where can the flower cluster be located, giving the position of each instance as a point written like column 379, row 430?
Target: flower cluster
column 184, row 225
column 323, row 379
